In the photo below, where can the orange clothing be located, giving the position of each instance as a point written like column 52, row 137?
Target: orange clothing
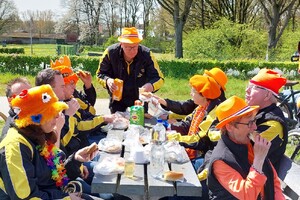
column 248, row 188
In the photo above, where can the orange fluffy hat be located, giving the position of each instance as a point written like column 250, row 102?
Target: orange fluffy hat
column 130, row 36
column 36, row 106
column 231, row 109
column 219, row 76
column 63, row 64
column 206, row 86
column 269, row 79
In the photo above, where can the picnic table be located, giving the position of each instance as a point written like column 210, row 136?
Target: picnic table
column 143, row 185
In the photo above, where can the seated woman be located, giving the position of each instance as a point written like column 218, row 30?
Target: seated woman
column 238, row 169
column 31, row 165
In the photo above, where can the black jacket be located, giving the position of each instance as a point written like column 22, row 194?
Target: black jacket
column 143, row 69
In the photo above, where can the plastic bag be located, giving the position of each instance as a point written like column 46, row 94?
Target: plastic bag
column 110, row 165
column 175, row 153
column 110, row 145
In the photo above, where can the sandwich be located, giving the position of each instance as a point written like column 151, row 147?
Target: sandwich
column 173, row 176
column 92, row 148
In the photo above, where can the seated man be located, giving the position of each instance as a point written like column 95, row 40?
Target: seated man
column 262, row 91
column 13, row 88
column 85, row 98
column 238, row 169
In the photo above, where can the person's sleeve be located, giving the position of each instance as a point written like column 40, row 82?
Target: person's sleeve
column 272, row 131
column 104, row 70
column 277, row 186
column 183, row 126
column 180, row 107
column 154, row 74
column 67, row 132
column 19, row 174
column 91, row 125
column 73, row 167
column 234, row 183
column 90, row 94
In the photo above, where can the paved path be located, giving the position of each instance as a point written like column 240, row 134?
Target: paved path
column 101, row 106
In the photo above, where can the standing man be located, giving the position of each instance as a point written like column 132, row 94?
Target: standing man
column 262, row 91
column 134, row 64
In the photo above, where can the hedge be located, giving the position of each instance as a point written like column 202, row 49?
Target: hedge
column 177, row 68
column 12, row 50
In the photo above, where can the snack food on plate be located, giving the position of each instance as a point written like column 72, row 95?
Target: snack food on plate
column 173, row 176
column 93, row 147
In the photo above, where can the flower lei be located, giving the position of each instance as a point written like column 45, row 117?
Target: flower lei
column 53, row 157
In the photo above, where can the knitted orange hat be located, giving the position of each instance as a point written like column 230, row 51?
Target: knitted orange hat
column 63, row 64
column 206, row 86
column 269, row 79
column 130, row 36
column 219, row 76
column 231, row 109
column 36, row 106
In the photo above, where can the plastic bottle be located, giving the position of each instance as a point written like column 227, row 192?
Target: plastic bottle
column 157, row 159
column 137, row 113
column 159, row 131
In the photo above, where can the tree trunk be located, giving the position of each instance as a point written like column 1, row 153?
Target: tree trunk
column 178, row 39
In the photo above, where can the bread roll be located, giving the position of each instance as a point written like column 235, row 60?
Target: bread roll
column 173, row 176
column 93, row 147
column 81, row 73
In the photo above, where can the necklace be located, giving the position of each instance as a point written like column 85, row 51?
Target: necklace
column 53, row 157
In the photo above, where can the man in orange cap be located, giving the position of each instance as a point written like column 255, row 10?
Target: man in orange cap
column 262, row 91
column 238, row 169
column 134, row 64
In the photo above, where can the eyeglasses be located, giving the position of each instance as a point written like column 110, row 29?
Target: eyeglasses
column 254, row 87
column 130, row 48
column 249, row 124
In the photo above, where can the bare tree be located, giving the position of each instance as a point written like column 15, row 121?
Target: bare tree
column 8, row 13
column 91, row 10
column 277, row 15
column 109, row 16
column 180, row 16
column 148, row 5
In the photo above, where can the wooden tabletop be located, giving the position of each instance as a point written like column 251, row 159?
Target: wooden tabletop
column 143, row 185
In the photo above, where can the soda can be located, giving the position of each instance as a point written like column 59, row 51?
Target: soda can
column 117, row 94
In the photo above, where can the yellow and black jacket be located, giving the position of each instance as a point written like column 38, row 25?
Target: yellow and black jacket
column 24, row 174
column 143, row 69
column 271, row 125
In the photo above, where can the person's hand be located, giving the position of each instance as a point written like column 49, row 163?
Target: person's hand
column 111, row 85
column 109, row 118
column 160, row 100
column 83, row 155
column 148, row 87
column 260, row 148
column 75, row 196
column 86, row 78
column 73, row 107
column 85, row 172
column 60, row 121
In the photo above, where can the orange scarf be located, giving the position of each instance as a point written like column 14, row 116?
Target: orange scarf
column 198, row 116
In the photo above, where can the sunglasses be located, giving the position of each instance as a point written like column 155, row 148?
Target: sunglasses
column 249, row 124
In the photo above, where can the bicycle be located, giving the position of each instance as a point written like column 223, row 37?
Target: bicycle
column 294, row 145
column 288, row 104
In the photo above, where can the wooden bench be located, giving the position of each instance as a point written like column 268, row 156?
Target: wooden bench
column 289, row 173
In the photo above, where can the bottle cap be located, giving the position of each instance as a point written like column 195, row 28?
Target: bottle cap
column 159, row 120
column 138, row 103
